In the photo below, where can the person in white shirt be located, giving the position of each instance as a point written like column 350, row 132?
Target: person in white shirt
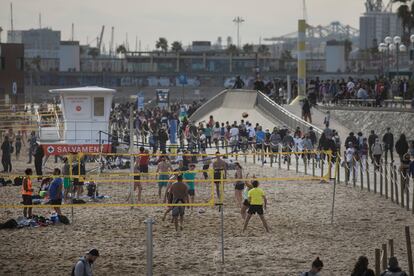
column 234, row 137
column 349, row 160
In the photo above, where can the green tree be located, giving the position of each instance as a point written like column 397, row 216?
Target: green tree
column 176, row 46
column 286, row 55
column 232, row 49
column 162, row 44
column 248, row 48
column 93, row 52
column 121, row 49
column 263, row 49
column 406, row 13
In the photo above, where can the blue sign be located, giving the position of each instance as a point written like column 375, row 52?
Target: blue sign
column 182, row 79
column 140, row 101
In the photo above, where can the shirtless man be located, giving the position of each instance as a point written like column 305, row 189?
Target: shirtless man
column 141, row 167
column 163, row 168
column 179, row 191
column 219, row 166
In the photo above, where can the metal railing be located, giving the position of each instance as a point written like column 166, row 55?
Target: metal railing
column 210, row 105
column 281, row 114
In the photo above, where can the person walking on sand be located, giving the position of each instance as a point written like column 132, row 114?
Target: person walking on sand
column 258, row 202
column 190, row 176
column 27, row 192
column 219, row 166
column 163, row 168
column 84, row 266
column 179, row 191
column 317, row 266
column 239, row 185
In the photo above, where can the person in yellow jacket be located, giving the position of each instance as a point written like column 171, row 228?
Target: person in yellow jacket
column 27, row 192
column 257, row 201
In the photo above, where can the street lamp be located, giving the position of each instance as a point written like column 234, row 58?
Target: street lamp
column 388, row 42
column 382, row 48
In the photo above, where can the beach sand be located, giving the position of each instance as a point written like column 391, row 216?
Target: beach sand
column 298, row 213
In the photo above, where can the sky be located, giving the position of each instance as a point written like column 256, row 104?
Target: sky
column 178, row 20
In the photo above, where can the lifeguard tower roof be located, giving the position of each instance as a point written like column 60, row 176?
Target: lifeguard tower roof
column 86, row 90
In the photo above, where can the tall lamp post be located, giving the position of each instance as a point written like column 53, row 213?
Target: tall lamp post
column 398, row 48
column 388, row 42
column 382, row 48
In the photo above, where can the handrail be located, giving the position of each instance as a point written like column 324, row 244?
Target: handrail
column 203, row 110
column 291, row 120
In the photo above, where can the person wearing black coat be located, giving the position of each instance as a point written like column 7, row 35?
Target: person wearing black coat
column 38, row 160
column 388, row 140
column 6, row 148
column 401, row 147
column 371, row 140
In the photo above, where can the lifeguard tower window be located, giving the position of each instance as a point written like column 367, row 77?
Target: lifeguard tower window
column 98, row 106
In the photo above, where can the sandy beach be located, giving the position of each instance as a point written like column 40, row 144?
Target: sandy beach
column 298, row 214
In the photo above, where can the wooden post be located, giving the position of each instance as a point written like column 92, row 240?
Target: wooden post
column 391, row 246
column 339, row 168
column 263, row 155
column 381, row 180
column 394, row 172
column 254, row 156
column 367, row 172
column 377, row 262
column 288, row 162
column 245, row 157
column 375, row 180
column 305, row 162
column 401, row 188
column 407, row 191
column 280, row 160
column 361, row 174
column 271, row 159
column 297, row 162
column 322, row 165
column 313, row 165
column 384, row 256
column 409, row 251
column 353, row 174
column 386, row 180
column 391, row 182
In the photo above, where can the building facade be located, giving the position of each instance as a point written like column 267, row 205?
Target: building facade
column 12, row 73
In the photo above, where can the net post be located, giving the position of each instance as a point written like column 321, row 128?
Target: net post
column 395, row 183
column 329, row 164
column 361, row 173
column 305, row 162
column 149, row 222
column 386, row 180
column 131, row 156
column 297, row 162
column 367, row 172
column 381, row 179
column 313, row 164
column 280, row 159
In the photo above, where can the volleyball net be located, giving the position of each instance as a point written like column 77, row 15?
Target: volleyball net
column 120, row 180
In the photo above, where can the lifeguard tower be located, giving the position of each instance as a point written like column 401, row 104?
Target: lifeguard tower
column 85, row 123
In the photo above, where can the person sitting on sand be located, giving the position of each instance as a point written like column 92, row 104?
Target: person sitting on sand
column 317, row 266
column 257, row 201
column 84, row 266
column 393, row 268
column 179, row 191
column 163, row 168
column 361, row 268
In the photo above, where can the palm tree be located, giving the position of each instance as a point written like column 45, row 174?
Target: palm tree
column 121, row 49
column 406, row 13
column 232, row 49
column 248, row 48
column 263, row 49
column 176, row 46
column 162, row 44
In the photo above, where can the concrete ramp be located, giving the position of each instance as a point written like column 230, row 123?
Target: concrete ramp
column 229, row 105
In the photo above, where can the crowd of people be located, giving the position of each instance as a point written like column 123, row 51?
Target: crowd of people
column 334, row 90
